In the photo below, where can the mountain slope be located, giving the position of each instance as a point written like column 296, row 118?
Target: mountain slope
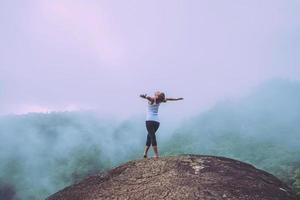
column 180, row 177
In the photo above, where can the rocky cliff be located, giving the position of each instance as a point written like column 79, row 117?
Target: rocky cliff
column 180, row 177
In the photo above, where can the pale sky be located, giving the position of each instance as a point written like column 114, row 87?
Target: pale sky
column 100, row 55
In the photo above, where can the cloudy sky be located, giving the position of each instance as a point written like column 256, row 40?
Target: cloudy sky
column 100, row 55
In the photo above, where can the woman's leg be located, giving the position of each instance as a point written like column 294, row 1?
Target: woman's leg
column 148, row 141
column 152, row 127
column 154, row 143
column 147, row 146
column 146, row 151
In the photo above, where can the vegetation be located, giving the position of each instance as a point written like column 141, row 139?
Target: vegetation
column 42, row 153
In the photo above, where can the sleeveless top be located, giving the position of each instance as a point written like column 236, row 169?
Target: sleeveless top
column 152, row 111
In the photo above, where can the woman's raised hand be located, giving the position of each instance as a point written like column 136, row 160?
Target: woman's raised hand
column 143, row 95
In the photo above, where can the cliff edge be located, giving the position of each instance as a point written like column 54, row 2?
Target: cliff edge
column 180, row 177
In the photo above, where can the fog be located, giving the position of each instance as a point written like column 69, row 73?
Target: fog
column 41, row 153
column 71, row 73
column 64, row 55
column 262, row 129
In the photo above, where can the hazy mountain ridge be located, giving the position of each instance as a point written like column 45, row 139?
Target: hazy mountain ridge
column 42, row 153
column 262, row 129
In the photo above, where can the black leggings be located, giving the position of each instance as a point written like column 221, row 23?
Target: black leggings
column 152, row 127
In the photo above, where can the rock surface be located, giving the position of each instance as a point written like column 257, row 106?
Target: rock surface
column 180, row 177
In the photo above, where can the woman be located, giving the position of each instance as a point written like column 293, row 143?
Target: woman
column 152, row 120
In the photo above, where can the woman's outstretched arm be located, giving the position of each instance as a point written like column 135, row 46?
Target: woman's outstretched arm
column 173, row 99
column 144, row 96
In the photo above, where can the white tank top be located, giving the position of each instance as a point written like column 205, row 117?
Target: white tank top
column 152, row 111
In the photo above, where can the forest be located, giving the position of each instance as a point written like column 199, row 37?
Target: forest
column 41, row 153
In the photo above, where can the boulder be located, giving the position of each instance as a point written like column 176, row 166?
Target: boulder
column 180, row 177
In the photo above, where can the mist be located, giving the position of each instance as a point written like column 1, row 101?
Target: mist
column 41, row 153
column 71, row 73
column 64, row 55
column 262, row 129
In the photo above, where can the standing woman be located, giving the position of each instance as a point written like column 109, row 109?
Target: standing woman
column 152, row 120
